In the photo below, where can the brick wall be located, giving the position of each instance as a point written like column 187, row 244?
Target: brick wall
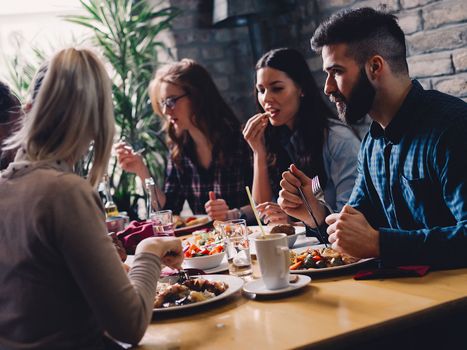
column 436, row 33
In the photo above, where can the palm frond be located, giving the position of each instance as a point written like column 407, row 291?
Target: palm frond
column 126, row 33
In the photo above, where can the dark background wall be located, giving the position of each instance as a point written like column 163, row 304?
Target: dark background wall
column 436, row 32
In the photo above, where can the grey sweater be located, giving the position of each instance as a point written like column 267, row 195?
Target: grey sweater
column 62, row 283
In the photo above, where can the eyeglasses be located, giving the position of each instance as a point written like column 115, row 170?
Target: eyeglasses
column 170, row 102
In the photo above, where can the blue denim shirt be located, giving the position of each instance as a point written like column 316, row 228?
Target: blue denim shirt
column 411, row 181
column 340, row 152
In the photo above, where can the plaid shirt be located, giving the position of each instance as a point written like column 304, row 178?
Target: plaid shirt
column 192, row 182
column 411, row 181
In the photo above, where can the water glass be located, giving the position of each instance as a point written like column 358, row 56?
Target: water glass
column 237, row 247
column 162, row 223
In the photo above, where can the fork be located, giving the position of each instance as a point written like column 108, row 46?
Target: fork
column 182, row 276
column 310, row 212
column 316, row 186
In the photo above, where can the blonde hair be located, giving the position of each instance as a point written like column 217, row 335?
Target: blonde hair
column 73, row 108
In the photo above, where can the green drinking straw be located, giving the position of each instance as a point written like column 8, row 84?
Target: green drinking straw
column 253, row 206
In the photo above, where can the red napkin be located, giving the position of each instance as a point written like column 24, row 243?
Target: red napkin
column 398, row 271
column 135, row 232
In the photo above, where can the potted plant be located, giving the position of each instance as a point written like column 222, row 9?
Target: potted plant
column 126, row 32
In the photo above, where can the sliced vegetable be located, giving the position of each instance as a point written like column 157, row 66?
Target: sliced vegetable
column 296, row 266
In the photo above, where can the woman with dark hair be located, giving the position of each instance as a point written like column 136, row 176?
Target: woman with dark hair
column 295, row 125
column 209, row 158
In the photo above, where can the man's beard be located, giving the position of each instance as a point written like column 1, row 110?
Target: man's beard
column 359, row 102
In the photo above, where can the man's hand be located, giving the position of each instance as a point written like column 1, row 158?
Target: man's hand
column 271, row 213
column 216, row 208
column 349, row 232
column 290, row 200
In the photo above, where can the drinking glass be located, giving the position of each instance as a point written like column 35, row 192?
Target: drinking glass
column 162, row 223
column 237, row 247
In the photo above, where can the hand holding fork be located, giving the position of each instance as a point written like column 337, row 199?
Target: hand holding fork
column 297, row 199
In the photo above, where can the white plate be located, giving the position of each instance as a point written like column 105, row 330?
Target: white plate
column 258, row 287
column 224, row 266
column 313, row 271
column 234, row 283
column 187, row 229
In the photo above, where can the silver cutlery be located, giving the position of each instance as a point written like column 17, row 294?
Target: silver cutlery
column 310, row 212
column 182, row 276
column 316, row 187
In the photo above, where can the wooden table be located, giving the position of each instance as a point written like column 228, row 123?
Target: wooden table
column 328, row 313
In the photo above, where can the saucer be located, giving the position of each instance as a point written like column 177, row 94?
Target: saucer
column 258, row 287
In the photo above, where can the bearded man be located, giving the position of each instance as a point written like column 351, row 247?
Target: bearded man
column 408, row 205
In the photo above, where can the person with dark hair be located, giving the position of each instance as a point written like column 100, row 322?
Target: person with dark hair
column 409, row 201
column 209, row 163
column 10, row 115
column 295, row 125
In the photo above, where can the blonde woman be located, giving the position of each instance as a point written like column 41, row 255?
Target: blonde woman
column 62, row 282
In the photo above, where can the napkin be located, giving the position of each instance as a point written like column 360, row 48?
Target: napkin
column 390, row 272
column 135, row 232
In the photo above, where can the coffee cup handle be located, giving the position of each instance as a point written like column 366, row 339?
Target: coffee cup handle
column 285, row 253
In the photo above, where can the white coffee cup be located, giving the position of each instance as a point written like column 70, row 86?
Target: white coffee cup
column 272, row 252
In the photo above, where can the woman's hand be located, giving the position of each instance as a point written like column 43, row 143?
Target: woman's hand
column 131, row 161
column 253, row 133
column 217, row 209
column 271, row 213
column 169, row 249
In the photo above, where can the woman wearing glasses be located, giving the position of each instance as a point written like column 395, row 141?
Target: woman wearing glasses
column 294, row 125
column 209, row 163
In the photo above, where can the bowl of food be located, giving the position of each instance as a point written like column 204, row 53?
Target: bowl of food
column 205, row 262
column 289, row 230
column 203, row 258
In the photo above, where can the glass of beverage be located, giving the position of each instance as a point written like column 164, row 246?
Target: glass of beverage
column 162, row 223
column 237, row 247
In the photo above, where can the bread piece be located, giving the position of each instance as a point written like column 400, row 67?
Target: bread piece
column 287, row 229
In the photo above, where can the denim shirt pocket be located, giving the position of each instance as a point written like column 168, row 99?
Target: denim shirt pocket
column 416, row 193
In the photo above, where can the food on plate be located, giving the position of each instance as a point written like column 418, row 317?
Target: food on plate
column 189, row 292
column 206, row 237
column 197, row 221
column 192, row 250
column 180, row 222
column 319, row 258
column 285, row 228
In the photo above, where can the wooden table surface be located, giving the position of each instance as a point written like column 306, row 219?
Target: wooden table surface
column 323, row 313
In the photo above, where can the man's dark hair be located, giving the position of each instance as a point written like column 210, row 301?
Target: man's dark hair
column 367, row 32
